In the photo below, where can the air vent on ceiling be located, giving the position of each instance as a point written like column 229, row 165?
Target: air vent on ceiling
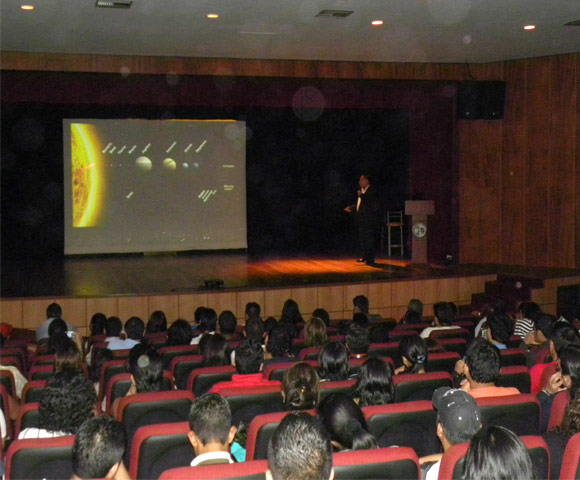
column 335, row 13
column 573, row 23
column 114, row 3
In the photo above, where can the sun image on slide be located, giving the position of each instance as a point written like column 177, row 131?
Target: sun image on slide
column 86, row 181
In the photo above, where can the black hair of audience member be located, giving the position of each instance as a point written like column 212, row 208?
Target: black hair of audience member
column 444, row 313
column 227, row 322
column 315, row 333
column 501, row 328
column 414, row 349
column 361, row 303
column 360, row 319
column 210, row 418
column 379, row 333
column 67, row 400
column 529, row 309
column 249, row 357
column 300, row 387
column 345, row 422
column 98, row 322
column 56, row 335
column 135, row 328
column 570, row 312
column 145, row 365
column 570, row 366
column 357, row 339
column 483, row 360
column 563, row 334
column 291, row 312
column 179, row 333
column 415, row 305
column 254, row 329
column 270, row 324
column 99, row 445
column 433, row 345
column 454, row 308
column 299, row 449
column 197, row 314
column 252, row 310
column 374, row 384
column 544, row 322
column 203, row 342
column 279, row 342
column 53, row 310
column 207, row 320
column 323, row 315
column 113, row 327
column 216, row 351
column 67, row 355
column 58, row 325
column 333, row 362
column 496, row 453
column 102, row 356
column 157, row 322
column 411, row 317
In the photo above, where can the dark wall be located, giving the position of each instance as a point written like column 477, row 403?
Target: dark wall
column 308, row 142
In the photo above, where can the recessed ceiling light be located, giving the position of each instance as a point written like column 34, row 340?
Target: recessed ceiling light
column 212, row 15
column 27, row 7
column 529, row 27
column 377, row 23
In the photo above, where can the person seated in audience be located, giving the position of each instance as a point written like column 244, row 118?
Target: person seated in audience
column 101, row 357
column 413, row 352
column 113, row 330
column 561, row 335
column 481, row 370
column 361, row 305
column 458, row 420
column 98, row 450
column 323, row 315
column 315, row 333
column 443, row 320
column 537, row 343
column 269, row 324
column 157, row 322
column 415, row 305
column 134, row 329
column 291, row 317
column 497, row 306
column 207, row 324
column 374, row 384
column 65, row 403
column 379, row 332
column 179, row 333
column 57, row 336
column 434, row 346
column 411, row 317
column 525, row 315
column 300, row 449
column 357, row 341
column 252, row 311
column 97, row 325
column 253, row 332
column 345, row 422
column 211, row 432
column 68, row 355
column 567, row 378
column 227, row 324
column 53, row 311
column 333, row 363
column 498, row 330
column 278, row 346
column 361, row 320
column 249, row 362
column 300, row 387
column 497, row 453
column 215, row 351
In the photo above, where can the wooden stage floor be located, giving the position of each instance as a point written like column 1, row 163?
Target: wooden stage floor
column 113, row 275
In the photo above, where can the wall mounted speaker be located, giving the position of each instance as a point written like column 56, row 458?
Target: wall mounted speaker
column 484, row 100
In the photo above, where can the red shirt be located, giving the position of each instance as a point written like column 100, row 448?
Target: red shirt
column 244, row 381
column 536, row 376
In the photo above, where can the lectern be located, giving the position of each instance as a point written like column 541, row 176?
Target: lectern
column 419, row 210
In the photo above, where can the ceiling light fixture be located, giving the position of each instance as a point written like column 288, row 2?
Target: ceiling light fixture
column 529, row 27
column 212, row 15
column 377, row 23
column 27, row 7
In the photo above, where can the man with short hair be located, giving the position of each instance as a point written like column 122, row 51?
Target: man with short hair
column 207, row 324
column 361, row 306
column 134, row 329
column 252, row 310
column 481, row 369
column 249, row 361
column 98, row 450
column 443, row 320
column 53, row 311
column 300, row 449
column 211, row 432
column 458, row 420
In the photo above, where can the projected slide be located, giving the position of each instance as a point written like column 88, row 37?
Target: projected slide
column 154, row 185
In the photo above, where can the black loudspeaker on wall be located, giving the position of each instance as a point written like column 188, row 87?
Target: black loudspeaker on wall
column 477, row 100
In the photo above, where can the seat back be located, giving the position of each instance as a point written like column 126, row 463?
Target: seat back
column 397, row 335
column 384, row 463
column 38, row 459
column 561, row 401
column 547, row 373
column 512, row 356
column 451, row 333
column 120, row 384
column 202, row 379
column 458, row 345
column 18, row 352
column 248, row 470
column 27, row 418
column 416, row 386
column 182, row 366
column 42, row 360
column 309, row 353
column 41, row 372
column 453, row 462
column 276, row 371
column 343, row 386
column 390, row 349
column 11, row 360
column 518, row 413
column 571, row 459
column 5, row 406
column 247, row 403
column 33, row 390
column 156, row 448
column 409, row 424
column 169, row 353
column 442, row 362
column 7, row 380
column 517, row 376
column 108, row 371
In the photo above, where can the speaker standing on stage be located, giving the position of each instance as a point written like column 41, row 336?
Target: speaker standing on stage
column 367, row 212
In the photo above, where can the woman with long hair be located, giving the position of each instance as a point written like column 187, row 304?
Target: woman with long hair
column 413, row 351
column 374, row 384
column 300, row 387
column 333, row 362
column 315, row 333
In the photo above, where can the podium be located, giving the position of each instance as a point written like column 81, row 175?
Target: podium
column 419, row 210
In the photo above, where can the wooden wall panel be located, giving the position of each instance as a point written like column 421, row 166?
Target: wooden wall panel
column 537, row 226
column 243, row 298
column 563, row 86
column 426, row 291
column 331, row 298
column 11, row 312
column 187, row 304
column 134, row 306
column 34, row 312
column 380, row 295
column 274, row 301
column 74, row 310
column 221, row 301
column 351, row 291
column 307, row 299
column 105, row 305
column 169, row 304
column 402, row 292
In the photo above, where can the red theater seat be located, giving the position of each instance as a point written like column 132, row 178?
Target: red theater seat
column 246, row 403
column 517, row 376
column 201, row 380
column 169, row 353
column 442, row 362
column 276, row 371
column 416, row 386
column 182, row 366
column 309, row 353
column 248, row 470
column 571, row 459
column 343, row 386
column 384, row 463
column 512, row 356
column 518, row 413
column 561, row 401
